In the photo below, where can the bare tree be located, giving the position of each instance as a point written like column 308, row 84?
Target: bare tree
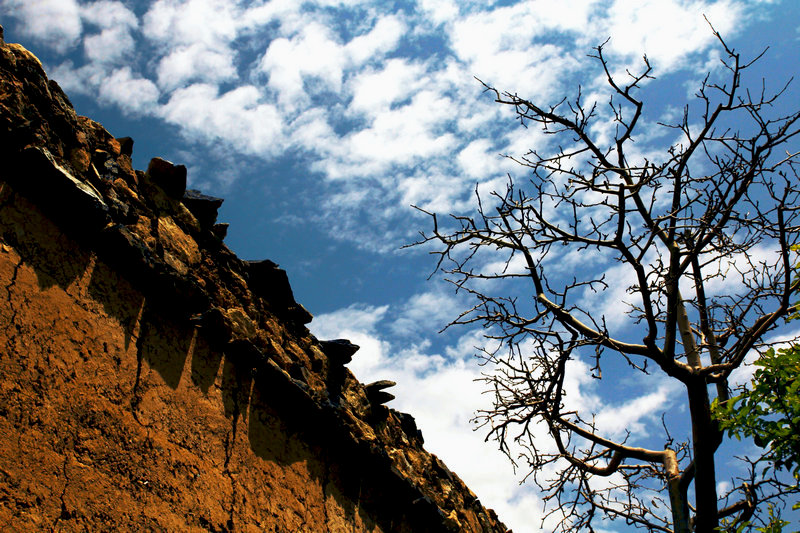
column 705, row 236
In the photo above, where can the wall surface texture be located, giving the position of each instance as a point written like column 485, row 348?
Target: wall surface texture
column 152, row 381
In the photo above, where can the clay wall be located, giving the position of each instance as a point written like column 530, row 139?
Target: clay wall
column 152, row 381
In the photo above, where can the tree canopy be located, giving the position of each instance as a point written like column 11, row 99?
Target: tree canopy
column 675, row 265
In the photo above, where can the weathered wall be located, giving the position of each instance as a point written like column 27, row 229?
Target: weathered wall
column 115, row 417
column 150, row 380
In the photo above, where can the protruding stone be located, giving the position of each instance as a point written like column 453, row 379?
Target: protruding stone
column 220, row 230
column 269, row 281
column 125, row 146
column 272, row 284
column 380, row 397
column 215, row 325
column 180, row 250
column 300, row 314
column 170, row 177
column 202, row 206
column 380, row 385
column 106, row 165
column 409, row 426
column 340, row 351
column 75, row 202
column 2, row 37
column 375, row 393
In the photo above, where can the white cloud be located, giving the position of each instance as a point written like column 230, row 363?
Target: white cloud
column 382, row 38
column 668, row 31
column 109, row 46
column 508, row 47
column 108, row 14
column 479, row 159
column 315, row 53
column 286, row 12
column 362, row 318
column 239, row 118
column 115, row 40
column 399, row 135
column 195, row 37
column 439, row 11
column 76, row 80
column 56, row 23
column 195, row 62
column 633, row 413
column 426, row 311
column 170, row 23
column 431, row 190
column 376, row 90
column 312, row 131
column 487, row 33
column 613, row 303
column 731, row 272
column 130, row 93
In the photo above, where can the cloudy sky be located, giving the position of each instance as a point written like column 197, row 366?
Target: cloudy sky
column 320, row 122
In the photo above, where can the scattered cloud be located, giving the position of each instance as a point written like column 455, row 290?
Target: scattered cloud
column 375, row 90
column 671, row 31
column 115, row 41
column 316, row 53
column 132, row 94
column 54, row 23
column 439, row 11
column 177, row 23
column 415, row 128
column 635, row 414
column 239, row 116
column 426, row 310
column 195, row 63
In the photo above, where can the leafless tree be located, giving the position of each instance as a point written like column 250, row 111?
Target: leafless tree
column 705, row 236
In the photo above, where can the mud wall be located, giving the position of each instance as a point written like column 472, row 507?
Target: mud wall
column 114, row 417
column 151, row 380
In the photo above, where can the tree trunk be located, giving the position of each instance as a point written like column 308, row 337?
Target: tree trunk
column 677, row 496
column 704, row 437
column 704, row 446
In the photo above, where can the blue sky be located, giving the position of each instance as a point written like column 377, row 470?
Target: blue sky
column 321, row 122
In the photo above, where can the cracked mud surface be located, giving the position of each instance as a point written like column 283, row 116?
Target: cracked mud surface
column 104, row 419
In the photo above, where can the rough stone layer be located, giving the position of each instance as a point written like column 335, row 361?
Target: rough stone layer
column 152, row 381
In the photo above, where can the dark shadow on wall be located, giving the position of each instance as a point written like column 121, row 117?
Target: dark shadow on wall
column 55, row 258
column 283, row 427
column 237, row 385
column 205, row 367
column 118, row 298
column 163, row 345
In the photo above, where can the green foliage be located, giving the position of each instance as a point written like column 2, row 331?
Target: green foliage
column 775, row 524
column 769, row 410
